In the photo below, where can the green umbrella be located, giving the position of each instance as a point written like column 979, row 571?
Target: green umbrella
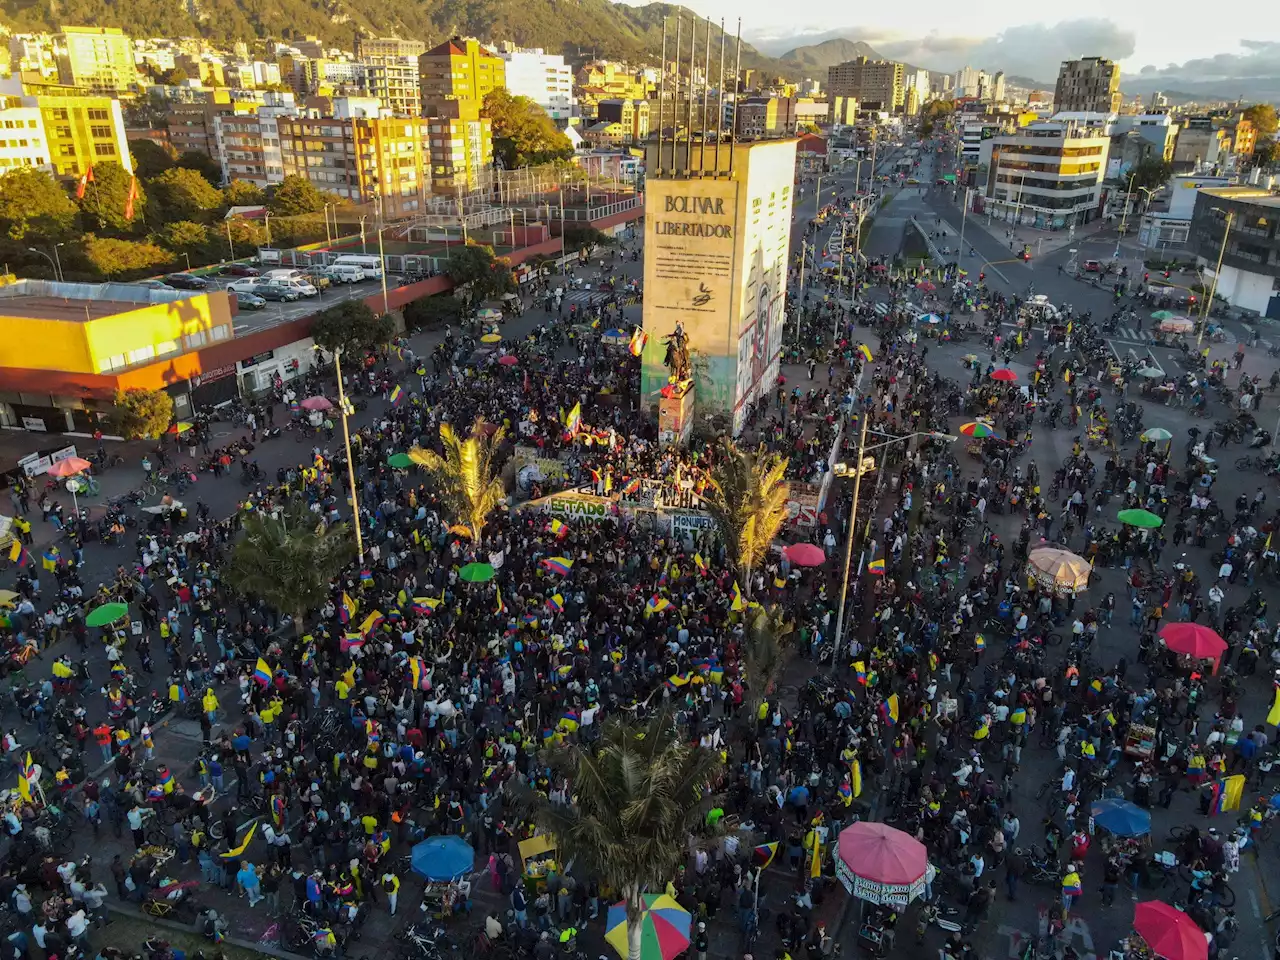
column 1157, row 433
column 1139, row 518
column 1163, row 315
column 401, row 461
column 476, row 572
column 106, row 614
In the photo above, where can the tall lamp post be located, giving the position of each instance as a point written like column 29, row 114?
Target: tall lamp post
column 55, row 261
column 864, row 465
column 1217, row 272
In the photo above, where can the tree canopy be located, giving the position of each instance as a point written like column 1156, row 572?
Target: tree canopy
column 105, row 204
column 523, row 134
column 142, row 414
column 465, row 474
column 202, row 164
column 485, row 276
column 34, row 208
column 748, row 501
column 184, row 194
column 114, row 258
column 296, row 195
column 150, row 158
column 351, row 327
column 1150, row 172
column 1263, row 117
column 242, row 193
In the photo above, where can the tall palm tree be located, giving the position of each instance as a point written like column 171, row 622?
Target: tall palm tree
column 638, row 795
column 748, row 500
column 466, row 474
column 765, row 652
column 289, row 560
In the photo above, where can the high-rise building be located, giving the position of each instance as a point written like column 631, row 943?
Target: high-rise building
column 1049, row 174
column 395, row 81
column 461, row 146
column 919, row 81
column 876, row 84
column 82, row 131
column 542, row 77
column 361, row 158
column 98, row 60
column 367, row 47
column 458, row 70
column 997, row 87
column 248, row 145
column 24, row 143
column 1089, row 85
column 966, row 84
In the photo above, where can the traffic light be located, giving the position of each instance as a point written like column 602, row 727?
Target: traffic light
column 1145, row 276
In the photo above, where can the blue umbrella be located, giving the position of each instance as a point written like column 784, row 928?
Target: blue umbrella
column 442, row 858
column 1121, row 817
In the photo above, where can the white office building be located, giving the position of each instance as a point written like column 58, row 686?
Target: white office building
column 545, row 79
column 1047, row 174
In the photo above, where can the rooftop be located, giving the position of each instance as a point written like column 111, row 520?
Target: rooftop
column 64, row 308
column 49, row 300
column 1255, row 195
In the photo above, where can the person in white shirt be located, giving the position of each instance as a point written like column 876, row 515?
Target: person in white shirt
column 78, row 926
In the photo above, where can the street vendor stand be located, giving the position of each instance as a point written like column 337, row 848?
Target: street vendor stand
column 537, row 859
column 1140, row 742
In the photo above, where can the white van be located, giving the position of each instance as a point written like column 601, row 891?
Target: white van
column 284, row 273
column 300, row 287
column 345, row 273
column 372, row 266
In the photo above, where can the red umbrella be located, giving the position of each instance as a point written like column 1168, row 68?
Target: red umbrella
column 805, row 555
column 508, row 360
column 1169, row 932
column 316, row 403
column 1200, row 642
column 1005, row 374
column 69, row 467
column 883, row 854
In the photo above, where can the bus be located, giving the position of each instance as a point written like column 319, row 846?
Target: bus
column 372, row 266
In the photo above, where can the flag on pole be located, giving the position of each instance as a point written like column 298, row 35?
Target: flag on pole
column 865, row 351
column 638, row 340
column 1273, row 717
column 397, row 394
column 501, row 607
column 764, row 854
column 737, row 603
column 889, row 710
column 815, row 867
column 18, row 554
column 233, row 853
column 131, row 198
column 555, row 603
column 855, row 777
column 415, row 672
column 262, row 672
column 86, row 178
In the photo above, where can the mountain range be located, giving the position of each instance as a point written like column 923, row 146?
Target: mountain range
column 577, row 28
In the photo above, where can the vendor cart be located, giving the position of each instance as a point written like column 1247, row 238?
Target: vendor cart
column 537, row 859
column 1140, row 742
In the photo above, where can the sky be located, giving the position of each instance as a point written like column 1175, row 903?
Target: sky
column 1173, row 37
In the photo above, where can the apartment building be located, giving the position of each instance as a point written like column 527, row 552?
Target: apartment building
column 367, row 47
column 98, row 60
column 78, row 130
column 1200, row 145
column 22, row 137
column 1047, row 174
column 248, row 145
column 761, row 118
column 876, row 84
column 461, row 146
column 361, row 158
column 542, row 77
column 395, row 81
column 632, row 115
column 1088, row 85
column 616, row 80
column 249, row 74
column 458, row 70
column 191, row 125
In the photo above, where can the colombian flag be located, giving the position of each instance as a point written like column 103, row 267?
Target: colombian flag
column 18, row 554
column 262, row 672
column 560, row 565
column 979, row 643
column 889, row 710
column 876, row 568
column 638, row 340
column 372, row 622
column 555, row 603
column 860, row 672
column 425, row 606
column 559, row 528
column 348, row 609
column 700, row 564
column 865, row 351
column 656, row 604
column 764, row 854
column 737, row 603
column 415, row 672
column 351, row 641
column 397, row 395
column 573, row 421
column 569, row 721
column 500, row 607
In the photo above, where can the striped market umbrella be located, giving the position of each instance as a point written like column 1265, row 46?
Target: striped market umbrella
column 664, row 928
column 977, row 429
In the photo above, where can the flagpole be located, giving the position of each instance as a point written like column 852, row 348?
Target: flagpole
column 351, row 467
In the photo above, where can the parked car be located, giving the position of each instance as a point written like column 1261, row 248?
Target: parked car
column 345, row 273
column 1092, row 266
column 245, row 285
column 301, row 287
column 271, row 290
column 318, row 280
column 249, row 301
column 154, row 284
column 186, row 281
column 239, row 270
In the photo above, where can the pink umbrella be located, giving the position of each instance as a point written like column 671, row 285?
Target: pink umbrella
column 68, row 467
column 805, row 555
column 880, row 863
column 316, row 403
column 508, row 360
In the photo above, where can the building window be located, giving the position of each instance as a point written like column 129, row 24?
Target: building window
column 110, row 363
column 142, row 353
column 220, row 332
column 166, row 346
column 100, row 133
column 195, row 340
column 95, row 115
column 104, row 149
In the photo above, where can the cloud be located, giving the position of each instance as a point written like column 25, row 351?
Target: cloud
column 1033, row 50
column 1260, row 60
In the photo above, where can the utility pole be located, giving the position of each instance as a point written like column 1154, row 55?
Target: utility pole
column 1124, row 217
column 817, row 198
column 964, row 214
column 1213, row 287
column 853, row 528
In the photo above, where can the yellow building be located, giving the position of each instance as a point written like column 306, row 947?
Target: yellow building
column 82, row 131
column 458, row 70
column 461, row 146
column 96, row 59
column 362, row 158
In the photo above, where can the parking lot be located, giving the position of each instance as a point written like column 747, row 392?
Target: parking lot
column 276, row 312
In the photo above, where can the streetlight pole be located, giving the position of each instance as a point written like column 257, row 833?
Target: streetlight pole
column 964, row 215
column 57, row 262
column 817, row 198
column 57, row 274
column 351, row 466
column 1213, row 287
column 1124, row 217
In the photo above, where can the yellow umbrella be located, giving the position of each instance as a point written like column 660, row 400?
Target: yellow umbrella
column 491, row 338
column 7, row 597
column 1059, row 570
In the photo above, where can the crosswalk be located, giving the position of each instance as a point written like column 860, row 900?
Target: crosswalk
column 585, row 296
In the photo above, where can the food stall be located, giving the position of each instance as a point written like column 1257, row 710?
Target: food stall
column 1140, row 742
column 537, row 859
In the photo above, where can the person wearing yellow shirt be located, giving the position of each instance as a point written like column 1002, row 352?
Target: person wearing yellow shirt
column 210, row 705
column 391, row 887
column 370, row 824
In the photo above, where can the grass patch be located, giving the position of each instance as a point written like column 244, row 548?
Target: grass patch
column 127, row 933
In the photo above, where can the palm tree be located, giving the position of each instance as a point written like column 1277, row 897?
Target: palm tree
column 289, row 560
column 638, row 795
column 764, row 657
column 748, row 499
column 465, row 474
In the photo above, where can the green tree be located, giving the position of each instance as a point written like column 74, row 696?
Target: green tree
column 1263, row 117
column 638, row 795
column 113, row 258
column 289, row 559
column 764, row 657
column 184, row 236
column 1150, row 172
column 351, row 327
column 141, row 414
column 427, row 312
column 173, row 77
column 295, row 195
column 150, row 158
column 183, row 194
column 465, row 474
column 34, row 208
column 1264, row 153
column 484, row 276
column 104, row 206
column 202, row 164
column 748, row 501
column 242, row 193
column 246, row 235
column 523, row 134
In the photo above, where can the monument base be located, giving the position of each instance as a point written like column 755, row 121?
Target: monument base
column 675, row 413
